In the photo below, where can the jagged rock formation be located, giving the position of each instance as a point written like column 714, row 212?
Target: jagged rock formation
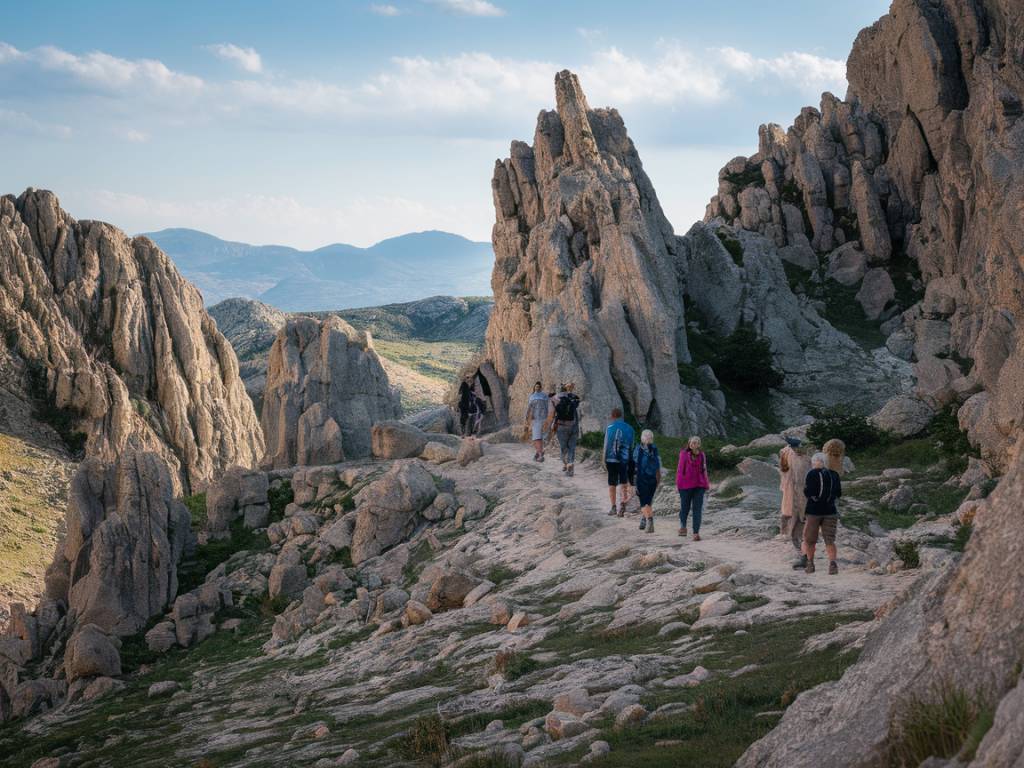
column 251, row 327
column 118, row 343
column 325, row 389
column 117, row 565
column 942, row 85
column 921, row 166
column 116, row 568
column 586, row 271
column 590, row 285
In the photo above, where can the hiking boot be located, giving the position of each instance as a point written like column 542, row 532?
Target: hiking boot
column 682, row 532
column 696, row 537
column 536, row 457
column 809, row 568
column 613, row 512
column 569, row 471
column 643, row 523
column 650, row 525
column 565, row 468
column 800, row 564
column 833, row 568
column 541, row 459
column 622, row 509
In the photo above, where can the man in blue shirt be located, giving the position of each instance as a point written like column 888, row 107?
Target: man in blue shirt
column 618, row 447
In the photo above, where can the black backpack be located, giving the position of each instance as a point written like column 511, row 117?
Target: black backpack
column 566, row 408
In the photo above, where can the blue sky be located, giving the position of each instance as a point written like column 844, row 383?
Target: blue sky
column 317, row 122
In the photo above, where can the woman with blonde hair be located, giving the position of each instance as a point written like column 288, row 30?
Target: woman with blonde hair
column 647, row 469
column 692, row 482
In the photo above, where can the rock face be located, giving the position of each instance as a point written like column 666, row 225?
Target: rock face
column 933, row 116
column 251, row 327
column 325, row 389
column 586, row 271
column 117, row 566
column 921, row 165
column 590, row 285
column 118, row 342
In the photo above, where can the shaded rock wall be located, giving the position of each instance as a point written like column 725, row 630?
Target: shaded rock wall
column 119, row 342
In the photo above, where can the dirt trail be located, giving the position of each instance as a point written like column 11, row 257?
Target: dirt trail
column 739, row 531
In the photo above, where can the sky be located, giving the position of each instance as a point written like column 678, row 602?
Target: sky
column 311, row 123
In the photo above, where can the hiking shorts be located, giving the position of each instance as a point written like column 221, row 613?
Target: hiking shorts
column 827, row 524
column 537, row 429
column 645, row 491
column 618, row 473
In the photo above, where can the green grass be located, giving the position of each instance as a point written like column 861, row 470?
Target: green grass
column 723, row 724
column 938, row 725
column 279, row 497
column 500, row 573
column 908, row 552
column 197, row 510
column 513, row 664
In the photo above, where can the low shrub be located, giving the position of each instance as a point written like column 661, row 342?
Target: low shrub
column 196, row 504
column 907, row 551
column 849, row 426
column 743, row 361
column 427, row 740
column 280, row 497
column 733, row 246
column 514, row 665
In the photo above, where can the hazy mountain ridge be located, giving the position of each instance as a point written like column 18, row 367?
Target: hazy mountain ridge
column 401, row 268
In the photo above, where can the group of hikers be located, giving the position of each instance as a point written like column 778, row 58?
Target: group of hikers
column 810, row 485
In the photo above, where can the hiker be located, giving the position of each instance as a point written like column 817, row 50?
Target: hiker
column 793, row 468
column 567, row 425
column 466, row 396
column 618, row 449
column 647, row 468
column 821, row 488
column 692, row 483
column 477, row 410
column 537, row 412
column 835, row 452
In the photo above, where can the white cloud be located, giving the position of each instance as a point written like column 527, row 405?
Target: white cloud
column 101, row 70
column 469, row 7
column 9, row 53
column 259, row 219
column 135, row 136
column 246, row 58
column 676, row 76
column 385, row 10
column 20, row 123
column 803, row 69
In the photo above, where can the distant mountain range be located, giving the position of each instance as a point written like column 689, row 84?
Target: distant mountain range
column 403, row 268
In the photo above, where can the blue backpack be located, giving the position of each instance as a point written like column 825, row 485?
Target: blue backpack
column 648, row 462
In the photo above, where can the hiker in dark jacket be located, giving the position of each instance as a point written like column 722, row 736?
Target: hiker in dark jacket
column 647, row 471
column 466, row 396
column 567, row 425
column 822, row 488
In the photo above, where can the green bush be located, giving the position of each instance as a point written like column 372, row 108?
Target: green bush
column 852, row 428
column 733, row 246
column 196, row 504
column 280, row 497
column 743, row 361
column 950, row 440
column 592, row 440
column 907, row 551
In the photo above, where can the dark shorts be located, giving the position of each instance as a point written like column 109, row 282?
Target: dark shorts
column 827, row 524
column 618, row 473
column 645, row 492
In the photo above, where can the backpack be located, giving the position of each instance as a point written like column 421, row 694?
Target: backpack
column 647, row 463
column 827, row 486
column 566, row 407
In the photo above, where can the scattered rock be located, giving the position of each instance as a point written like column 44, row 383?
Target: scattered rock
column 397, row 440
column 717, row 604
column 162, row 688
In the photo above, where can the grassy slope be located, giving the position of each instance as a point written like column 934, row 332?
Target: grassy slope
column 33, row 490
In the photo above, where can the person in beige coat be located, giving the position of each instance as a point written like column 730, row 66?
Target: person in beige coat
column 793, row 468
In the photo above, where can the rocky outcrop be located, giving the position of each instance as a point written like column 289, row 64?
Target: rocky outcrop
column 932, row 119
column 387, row 508
column 586, row 272
column 117, row 343
column 920, row 166
column 325, row 389
column 126, row 532
column 251, row 327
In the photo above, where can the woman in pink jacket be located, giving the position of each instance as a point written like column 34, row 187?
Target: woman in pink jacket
column 692, row 482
